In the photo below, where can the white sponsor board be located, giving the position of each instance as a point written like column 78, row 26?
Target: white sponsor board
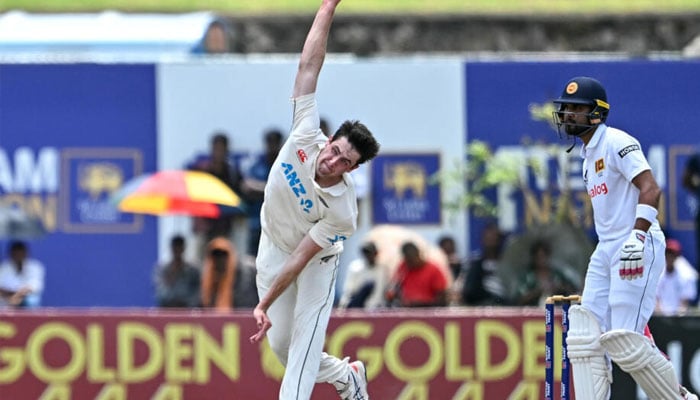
column 410, row 104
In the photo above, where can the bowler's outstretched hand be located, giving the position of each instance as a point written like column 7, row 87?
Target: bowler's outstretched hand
column 263, row 323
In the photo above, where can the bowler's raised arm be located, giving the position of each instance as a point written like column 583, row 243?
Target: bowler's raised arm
column 314, row 51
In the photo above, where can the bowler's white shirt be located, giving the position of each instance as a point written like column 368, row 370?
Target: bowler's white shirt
column 294, row 203
column 611, row 159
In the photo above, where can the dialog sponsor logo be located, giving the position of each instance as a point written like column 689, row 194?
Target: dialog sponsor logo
column 598, row 190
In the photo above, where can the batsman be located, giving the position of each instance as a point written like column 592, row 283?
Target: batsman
column 619, row 292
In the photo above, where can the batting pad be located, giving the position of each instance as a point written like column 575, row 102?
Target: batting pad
column 592, row 375
column 637, row 356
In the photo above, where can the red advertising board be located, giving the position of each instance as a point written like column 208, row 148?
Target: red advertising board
column 415, row 354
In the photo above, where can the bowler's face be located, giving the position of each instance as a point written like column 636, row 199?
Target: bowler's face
column 336, row 158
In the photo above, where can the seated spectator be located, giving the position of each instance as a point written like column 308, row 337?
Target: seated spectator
column 678, row 284
column 456, row 264
column 417, row 282
column 218, row 274
column 253, row 186
column 449, row 247
column 482, row 285
column 245, row 291
column 21, row 278
column 217, row 39
column 220, row 164
column 544, row 278
column 364, row 284
column 177, row 281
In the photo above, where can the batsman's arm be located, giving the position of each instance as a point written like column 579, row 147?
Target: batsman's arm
column 649, row 194
column 314, row 52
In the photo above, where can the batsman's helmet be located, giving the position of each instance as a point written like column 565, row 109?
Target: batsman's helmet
column 585, row 90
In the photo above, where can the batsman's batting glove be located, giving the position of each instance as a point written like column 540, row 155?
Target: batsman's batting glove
column 632, row 256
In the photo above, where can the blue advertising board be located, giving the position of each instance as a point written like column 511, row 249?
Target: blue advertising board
column 70, row 135
column 652, row 100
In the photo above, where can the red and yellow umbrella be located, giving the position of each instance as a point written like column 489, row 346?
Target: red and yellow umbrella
column 171, row 192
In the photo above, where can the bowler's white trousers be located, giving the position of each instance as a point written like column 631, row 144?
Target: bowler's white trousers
column 618, row 303
column 299, row 320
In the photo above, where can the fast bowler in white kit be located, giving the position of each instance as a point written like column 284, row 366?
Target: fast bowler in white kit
column 620, row 288
column 310, row 208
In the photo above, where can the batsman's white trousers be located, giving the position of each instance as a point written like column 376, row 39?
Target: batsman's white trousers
column 618, row 303
column 299, row 320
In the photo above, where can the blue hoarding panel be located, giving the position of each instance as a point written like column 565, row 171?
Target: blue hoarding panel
column 402, row 191
column 70, row 134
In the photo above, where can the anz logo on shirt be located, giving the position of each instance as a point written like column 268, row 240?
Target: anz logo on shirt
column 297, row 187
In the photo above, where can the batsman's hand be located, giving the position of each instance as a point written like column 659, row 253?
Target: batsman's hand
column 263, row 323
column 632, row 256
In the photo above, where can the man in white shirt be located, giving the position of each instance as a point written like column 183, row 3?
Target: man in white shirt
column 364, row 285
column 21, row 278
column 310, row 208
column 678, row 284
column 619, row 293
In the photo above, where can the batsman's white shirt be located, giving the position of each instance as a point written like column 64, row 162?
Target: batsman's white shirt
column 611, row 159
column 294, row 203
column 294, row 206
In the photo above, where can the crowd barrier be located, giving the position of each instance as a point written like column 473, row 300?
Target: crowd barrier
column 431, row 354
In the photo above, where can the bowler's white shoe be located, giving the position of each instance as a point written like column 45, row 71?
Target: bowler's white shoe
column 355, row 387
column 686, row 395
